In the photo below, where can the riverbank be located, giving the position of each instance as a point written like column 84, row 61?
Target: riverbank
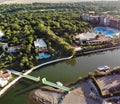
column 50, row 62
column 100, row 50
column 84, row 91
column 65, row 71
column 29, row 71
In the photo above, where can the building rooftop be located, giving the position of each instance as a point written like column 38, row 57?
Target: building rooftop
column 14, row 47
column 1, row 34
column 86, row 36
column 40, row 43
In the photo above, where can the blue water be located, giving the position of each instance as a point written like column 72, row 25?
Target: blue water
column 106, row 31
column 41, row 56
column 99, row 29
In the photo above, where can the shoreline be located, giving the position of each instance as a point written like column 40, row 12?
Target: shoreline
column 50, row 62
column 81, row 93
column 100, row 50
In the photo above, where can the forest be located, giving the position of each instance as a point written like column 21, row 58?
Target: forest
column 56, row 23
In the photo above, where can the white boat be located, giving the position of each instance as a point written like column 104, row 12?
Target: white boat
column 103, row 68
column 59, row 83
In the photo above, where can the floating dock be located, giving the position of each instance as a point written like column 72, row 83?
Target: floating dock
column 44, row 81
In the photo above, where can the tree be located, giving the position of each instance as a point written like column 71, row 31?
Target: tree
column 9, row 58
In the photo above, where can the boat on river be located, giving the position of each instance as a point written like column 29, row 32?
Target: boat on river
column 103, row 68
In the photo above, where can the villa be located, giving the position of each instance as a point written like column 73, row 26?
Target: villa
column 4, row 78
column 40, row 43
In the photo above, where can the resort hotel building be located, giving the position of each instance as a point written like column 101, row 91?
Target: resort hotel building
column 103, row 20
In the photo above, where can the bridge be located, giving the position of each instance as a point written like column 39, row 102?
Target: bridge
column 44, row 81
column 25, row 76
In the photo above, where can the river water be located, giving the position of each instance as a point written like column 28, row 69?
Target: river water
column 65, row 72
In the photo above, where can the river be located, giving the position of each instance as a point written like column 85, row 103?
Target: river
column 65, row 72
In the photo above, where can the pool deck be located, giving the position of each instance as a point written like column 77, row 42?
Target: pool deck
column 107, row 31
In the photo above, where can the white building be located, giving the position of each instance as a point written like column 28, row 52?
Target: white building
column 40, row 43
column 1, row 35
column 86, row 36
column 3, row 82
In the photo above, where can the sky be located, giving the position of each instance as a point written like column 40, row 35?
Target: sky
column 52, row 1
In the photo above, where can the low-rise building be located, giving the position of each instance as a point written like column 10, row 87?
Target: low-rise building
column 13, row 49
column 40, row 43
column 4, row 78
column 86, row 36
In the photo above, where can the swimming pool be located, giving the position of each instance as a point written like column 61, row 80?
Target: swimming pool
column 42, row 56
column 107, row 31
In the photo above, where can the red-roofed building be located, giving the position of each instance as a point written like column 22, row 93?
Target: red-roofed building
column 4, row 77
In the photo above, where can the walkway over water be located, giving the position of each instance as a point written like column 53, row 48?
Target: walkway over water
column 31, row 78
column 25, row 76
column 44, row 81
